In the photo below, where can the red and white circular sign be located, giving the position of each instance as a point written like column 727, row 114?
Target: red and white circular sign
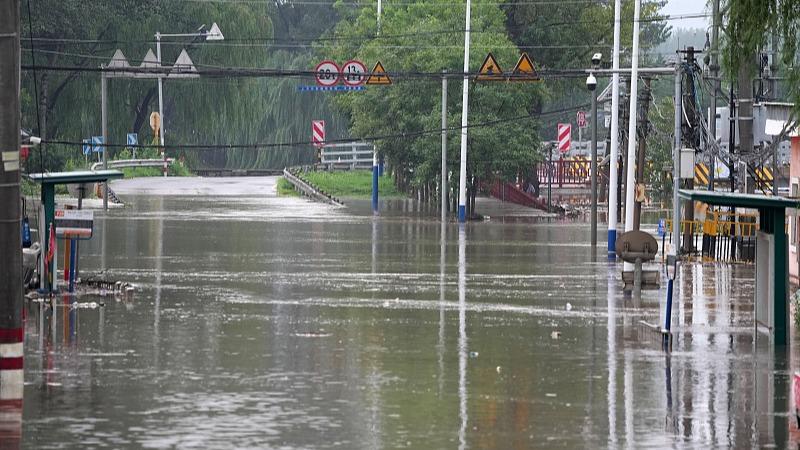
column 354, row 73
column 327, row 73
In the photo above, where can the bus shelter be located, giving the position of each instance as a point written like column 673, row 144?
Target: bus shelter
column 772, row 255
column 48, row 183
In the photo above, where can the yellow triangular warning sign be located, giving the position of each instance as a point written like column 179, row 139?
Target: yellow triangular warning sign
column 379, row 75
column 524, row 70
column 490, row 70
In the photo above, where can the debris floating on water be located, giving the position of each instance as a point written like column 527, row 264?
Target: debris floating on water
column 555, row 335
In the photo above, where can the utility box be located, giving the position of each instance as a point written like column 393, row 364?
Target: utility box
column 687, row 163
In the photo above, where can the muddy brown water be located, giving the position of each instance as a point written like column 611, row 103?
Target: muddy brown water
column 266, row 322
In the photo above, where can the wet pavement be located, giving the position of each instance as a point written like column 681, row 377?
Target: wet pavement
column 273, row 322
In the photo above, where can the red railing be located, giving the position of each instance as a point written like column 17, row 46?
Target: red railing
column 565, row 172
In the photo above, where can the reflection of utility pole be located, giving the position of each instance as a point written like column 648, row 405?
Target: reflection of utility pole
column 644, row 125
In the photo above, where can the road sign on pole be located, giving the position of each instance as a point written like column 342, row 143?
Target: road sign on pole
column 87, row 146
column 379, row 75
column 318, row 133
column 133, row 139
column 97, row 144
column 354, row 73
column 490, row 70
column 581, row 119
column 564, row 137
column 328, row 73
column 524, row 70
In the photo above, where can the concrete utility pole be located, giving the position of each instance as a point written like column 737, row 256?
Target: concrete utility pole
column 630, row 182
column 11, row 331
column 714, row 70
column 591, row 83
column 676, row 165
column 462, row 178
column 104, row 128
column 644, row 109
column 612, row 172
column 443, row 192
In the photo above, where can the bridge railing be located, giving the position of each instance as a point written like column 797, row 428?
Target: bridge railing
column 565, row 172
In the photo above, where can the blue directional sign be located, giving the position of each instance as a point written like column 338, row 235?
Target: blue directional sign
column 97, row 144
column 87, row 147
column 662, row 227
column 133, row 139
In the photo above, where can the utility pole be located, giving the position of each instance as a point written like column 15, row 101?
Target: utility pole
column 443, row 191
column 612, row 172
column 745, row 80
column 104, row 127
column 676, row 164
column 688, row 243
column 462, row 178
column 11, row 331
column 644, row 109
column 714, row 69
column 630, row 182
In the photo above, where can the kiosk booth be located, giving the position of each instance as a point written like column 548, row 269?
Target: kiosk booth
column 772, row 255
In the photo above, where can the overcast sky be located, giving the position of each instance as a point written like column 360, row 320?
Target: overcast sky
column 683, row 7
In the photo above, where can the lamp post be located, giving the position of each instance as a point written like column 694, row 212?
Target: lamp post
column 214, row 34
column 591, row 84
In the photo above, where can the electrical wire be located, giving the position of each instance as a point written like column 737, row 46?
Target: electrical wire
column 404, row 135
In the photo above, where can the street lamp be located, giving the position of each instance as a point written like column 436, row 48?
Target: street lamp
column 214, row 34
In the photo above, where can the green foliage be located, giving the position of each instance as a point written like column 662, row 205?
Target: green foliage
column 354, row 183
column 411, row 106
column 286, row 189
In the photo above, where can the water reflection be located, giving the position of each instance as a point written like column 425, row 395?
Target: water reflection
column 266, row 331
column 462, row 336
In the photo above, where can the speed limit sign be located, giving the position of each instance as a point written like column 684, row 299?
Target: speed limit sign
column 354, row 73
column 327, row 73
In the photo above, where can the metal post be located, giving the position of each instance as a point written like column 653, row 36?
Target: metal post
column 161, row 104
column 676, row 165
column 462, row 179
column 11, row 289
column 550, row 181
column 104, row 126
column 630, row 182
column 594, row 169
column 612, row 172
column 374, row 179
column 443, row 192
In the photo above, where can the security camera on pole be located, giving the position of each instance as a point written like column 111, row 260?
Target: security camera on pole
column 591, row 84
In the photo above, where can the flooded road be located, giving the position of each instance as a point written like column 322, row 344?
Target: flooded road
column 267, row 322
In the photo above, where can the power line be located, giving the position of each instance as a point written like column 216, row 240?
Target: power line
column 406, row 135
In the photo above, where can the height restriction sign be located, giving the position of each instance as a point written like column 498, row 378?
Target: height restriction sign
column 327, row 73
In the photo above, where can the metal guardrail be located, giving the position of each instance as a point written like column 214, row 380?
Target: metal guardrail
column 120, row 163
column 351, row 155
column 309, row 190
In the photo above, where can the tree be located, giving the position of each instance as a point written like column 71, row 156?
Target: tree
column 417, row 41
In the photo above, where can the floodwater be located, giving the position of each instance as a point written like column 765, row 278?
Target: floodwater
column 266, row 322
